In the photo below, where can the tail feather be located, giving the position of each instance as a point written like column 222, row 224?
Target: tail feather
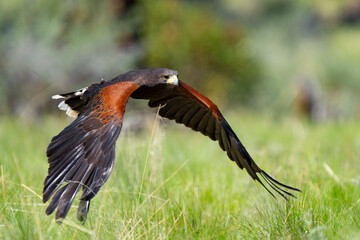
column 73, row 102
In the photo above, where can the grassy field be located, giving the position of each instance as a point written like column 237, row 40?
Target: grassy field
column 172, row 183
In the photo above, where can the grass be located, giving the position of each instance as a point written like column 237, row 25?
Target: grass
column 172, row 183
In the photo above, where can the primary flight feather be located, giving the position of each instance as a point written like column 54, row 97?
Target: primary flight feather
column 82, row 155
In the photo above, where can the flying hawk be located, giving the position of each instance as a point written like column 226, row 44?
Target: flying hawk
column 82, row 155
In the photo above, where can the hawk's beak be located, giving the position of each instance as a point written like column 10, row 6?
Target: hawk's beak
column 173, row 80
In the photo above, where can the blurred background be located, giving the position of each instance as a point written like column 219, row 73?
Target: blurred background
column 286, row 75
column 286, row 58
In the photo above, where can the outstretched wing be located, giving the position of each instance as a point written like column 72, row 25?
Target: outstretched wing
column 82, row 155
column 186, row 105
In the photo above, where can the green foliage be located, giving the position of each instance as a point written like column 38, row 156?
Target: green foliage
column 345, row 56
column 298, row 40
column 250, row 52
column 47, row 46
column 163, row 187
column 208, row 52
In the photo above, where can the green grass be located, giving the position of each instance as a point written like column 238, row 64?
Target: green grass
column 172, row 183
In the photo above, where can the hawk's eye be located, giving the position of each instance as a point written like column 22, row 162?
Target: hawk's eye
column 165, row 77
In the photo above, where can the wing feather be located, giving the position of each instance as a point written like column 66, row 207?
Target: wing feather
column 82, row 155
column 187, row 106
column 196, row 118
column 189, row 115
column 74, row 168
column 182, row 110
column 203, row 123
column 210, row 129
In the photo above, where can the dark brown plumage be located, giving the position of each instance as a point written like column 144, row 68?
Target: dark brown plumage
column 82, row 155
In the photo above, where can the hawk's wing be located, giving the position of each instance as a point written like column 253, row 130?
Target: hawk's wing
column 82, row 155
column 186, row 105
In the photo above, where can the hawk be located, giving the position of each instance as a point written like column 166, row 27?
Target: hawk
column 82, row 155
